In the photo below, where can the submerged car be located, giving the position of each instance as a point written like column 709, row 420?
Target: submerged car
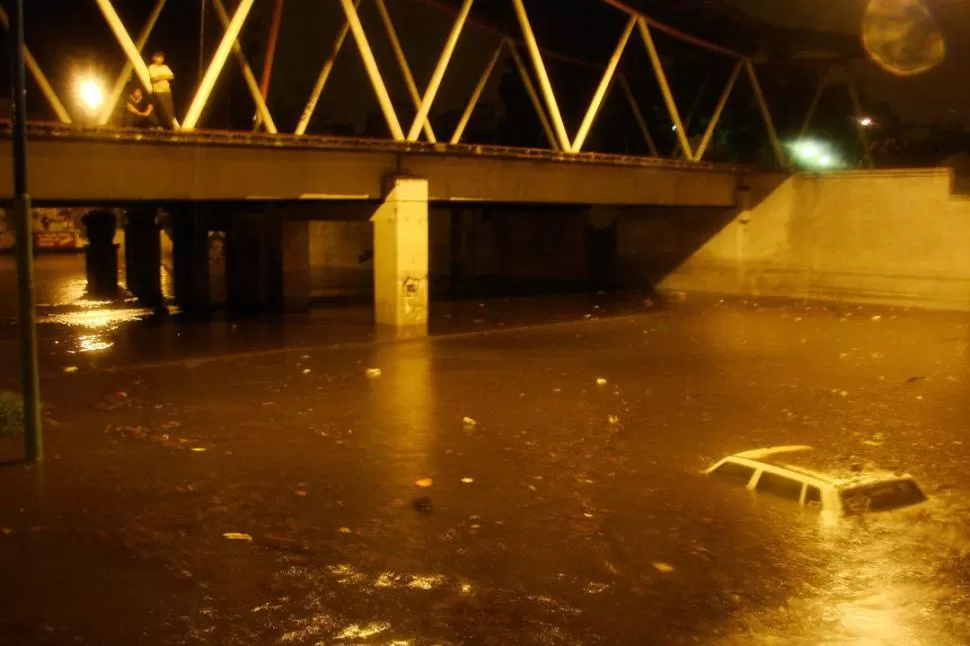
column 842, row 494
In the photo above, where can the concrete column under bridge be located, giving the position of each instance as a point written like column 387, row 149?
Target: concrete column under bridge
column 267, row 261
column 143, row 255
column 101, row 254
column 190, row 258
column 401, row 256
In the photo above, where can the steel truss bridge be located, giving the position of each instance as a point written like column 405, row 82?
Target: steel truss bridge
column 522, row 48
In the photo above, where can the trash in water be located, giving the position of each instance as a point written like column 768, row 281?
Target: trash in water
column 614, row 419
column 344, row 530
column 600, row 381
column 468, row 421
column 424, row 483
column 70, row 369
column 373, row 373
column 237, row 536
column 467, row 480
column 306, row 371
column 423, row 504
column 663, row 567
column 199, row 449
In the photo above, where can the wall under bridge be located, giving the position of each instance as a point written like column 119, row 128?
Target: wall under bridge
column 888, row 237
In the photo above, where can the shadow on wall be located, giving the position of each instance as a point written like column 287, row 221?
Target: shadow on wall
column 655, row 241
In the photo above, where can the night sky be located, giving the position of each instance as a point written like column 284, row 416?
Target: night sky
column 70, row 39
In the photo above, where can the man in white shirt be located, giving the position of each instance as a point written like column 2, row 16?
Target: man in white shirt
column 161, row 77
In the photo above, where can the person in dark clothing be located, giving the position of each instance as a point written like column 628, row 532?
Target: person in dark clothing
column 139, row 112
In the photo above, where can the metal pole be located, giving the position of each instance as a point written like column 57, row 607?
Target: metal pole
column 216, row 64
column 638, row 115
column 658, row 69
column 439, row 72
column 247, row 71
column 30, row 382
column 39, row 76
column 402, row 61
column 373, row 72
column 134, row 56
column 605, row 82
column 699, row 153
column 477, row 94
column 765, row 112
column 112, row 101
column 544, row 84
column 274, row 33
column 857, row 109
column 530, row 89
column 311, row 103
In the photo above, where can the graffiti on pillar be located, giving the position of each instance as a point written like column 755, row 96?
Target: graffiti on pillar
column 411, row 286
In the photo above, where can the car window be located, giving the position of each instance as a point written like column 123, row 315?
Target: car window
column 882, row 496
column 776, row 485
column 736, row 473
column 812, row 495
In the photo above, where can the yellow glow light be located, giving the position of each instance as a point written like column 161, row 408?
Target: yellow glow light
column 90, row 93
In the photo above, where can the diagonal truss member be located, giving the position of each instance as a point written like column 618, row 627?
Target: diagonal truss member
column 216, row 65
column 39, row 77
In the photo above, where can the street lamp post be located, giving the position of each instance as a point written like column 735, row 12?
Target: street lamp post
column 33, row 438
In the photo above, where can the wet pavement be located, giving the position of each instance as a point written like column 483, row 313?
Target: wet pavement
column 568, row 512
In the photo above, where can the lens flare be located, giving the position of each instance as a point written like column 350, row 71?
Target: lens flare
column 902, row 37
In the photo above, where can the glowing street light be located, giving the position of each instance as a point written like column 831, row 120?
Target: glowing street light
column 90, row 94
column 815, row 154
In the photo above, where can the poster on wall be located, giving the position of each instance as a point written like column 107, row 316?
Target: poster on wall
column 54, row 228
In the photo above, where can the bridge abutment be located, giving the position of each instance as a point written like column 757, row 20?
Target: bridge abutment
column 401, row 255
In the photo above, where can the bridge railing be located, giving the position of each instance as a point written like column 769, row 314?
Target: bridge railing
column 522, row 49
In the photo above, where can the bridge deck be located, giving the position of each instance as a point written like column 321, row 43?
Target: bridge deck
column 76, row 165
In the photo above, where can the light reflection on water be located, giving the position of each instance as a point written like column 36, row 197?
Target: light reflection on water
column 886, row 583
column 92, row 329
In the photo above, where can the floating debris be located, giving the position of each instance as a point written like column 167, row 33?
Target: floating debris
column 469, row 422
column 600, row 381
column 70, row 369
column 424, row 483
column 467, row 480
column 666, row 568
column 238, row 536
column 373, row 373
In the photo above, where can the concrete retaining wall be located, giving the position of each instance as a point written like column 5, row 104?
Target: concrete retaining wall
column 889, row 237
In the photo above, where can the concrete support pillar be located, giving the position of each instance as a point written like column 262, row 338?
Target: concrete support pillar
column 190, row 257
column 267, row 263
column 401, row 255
column 287, row 267
column 244, row 263
column 101, row 254
column 602, row 247
column 143, row 256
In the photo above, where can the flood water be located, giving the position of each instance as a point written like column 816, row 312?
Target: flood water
column 568, row 508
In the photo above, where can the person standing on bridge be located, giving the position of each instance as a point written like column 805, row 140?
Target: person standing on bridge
column 161, row 76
